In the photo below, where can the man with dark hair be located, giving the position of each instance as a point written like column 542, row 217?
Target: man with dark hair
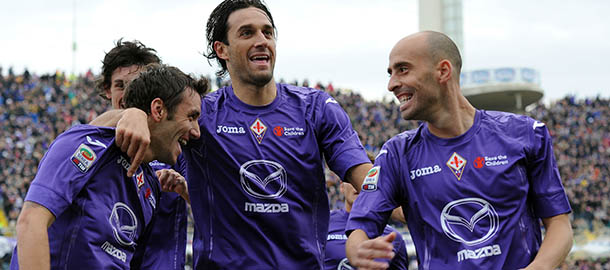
column 121, row 65
column 81, row 209
column 473, row 184
column 167, row 246
column 256, row 176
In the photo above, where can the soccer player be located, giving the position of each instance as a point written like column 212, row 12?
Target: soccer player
column 335, row 258
column 166, row 248
column 473, row 184
column 256, row 175
column 81, row 209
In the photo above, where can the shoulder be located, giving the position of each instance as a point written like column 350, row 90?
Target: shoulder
column 505, row 121
column 305, row 94
column 404, row 139
column 81, row 145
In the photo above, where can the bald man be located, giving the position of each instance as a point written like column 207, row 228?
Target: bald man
column 473, row 184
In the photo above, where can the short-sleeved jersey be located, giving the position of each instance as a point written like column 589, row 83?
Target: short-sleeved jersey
column 471, row 202
column 166, row 248
column 256, row 178
column 335, row 245
column 101, row 215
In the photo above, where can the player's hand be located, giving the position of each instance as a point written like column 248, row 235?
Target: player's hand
column 172, row 181
column 380, row 247
column 133, row 136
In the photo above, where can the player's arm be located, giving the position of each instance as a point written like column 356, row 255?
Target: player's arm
column 361, row 250
column 172, row 181
column 132, row 133
column 556, row 244
column 32, row 237
column 356, row 174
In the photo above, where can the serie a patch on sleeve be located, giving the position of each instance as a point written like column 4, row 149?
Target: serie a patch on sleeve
column 370, row 181
column 83, row 158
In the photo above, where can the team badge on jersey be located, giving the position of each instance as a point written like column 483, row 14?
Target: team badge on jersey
column 83, row 158
column 140, row 180
column 370, row 182
column 258, row 129
column 457, row 164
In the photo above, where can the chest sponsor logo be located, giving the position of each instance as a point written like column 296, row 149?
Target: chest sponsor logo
column 156, row 163
column 258, row 129
column 425, row 171
column 124, row 224
column 288, row 131
column 83, row 157
column 456, row 164
column 344, row 265
column 486, row 251
column 471, row 221
column 336, row 237
column 264, row 179
column 371, row 179
column 492, row 161
column 230, row 130
column 114, row 252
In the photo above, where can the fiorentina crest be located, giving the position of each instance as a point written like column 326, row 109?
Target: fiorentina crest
column 457, row 164
column 258, row 129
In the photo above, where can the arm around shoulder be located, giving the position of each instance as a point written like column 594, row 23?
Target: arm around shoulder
column 32, row 237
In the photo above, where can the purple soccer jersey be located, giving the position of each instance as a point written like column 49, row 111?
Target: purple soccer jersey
column 256, row 178
column 335, row 245
column 101, row 214
column 166, row 248
column 471, row 202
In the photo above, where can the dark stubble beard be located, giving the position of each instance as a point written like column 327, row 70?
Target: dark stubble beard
column 258, row 80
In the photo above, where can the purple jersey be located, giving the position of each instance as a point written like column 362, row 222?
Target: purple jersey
column 101, row 214
column 335, row 245
column 256, row 178
column 471, row 202
column 166, row 248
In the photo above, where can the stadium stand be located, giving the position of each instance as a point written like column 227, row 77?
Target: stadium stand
column 35, row 109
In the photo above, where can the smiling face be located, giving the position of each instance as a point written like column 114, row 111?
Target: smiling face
column 412, row 78
column 120, row 77
column 176, row 130
column 250, row 52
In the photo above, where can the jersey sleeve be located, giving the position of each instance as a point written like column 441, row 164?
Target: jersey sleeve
column 339, row 141
column 378, row 195
column 69, row 163
column 549, row 197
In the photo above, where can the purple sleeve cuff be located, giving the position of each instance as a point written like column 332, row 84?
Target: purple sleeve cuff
column 47, row 197
column 552, row 205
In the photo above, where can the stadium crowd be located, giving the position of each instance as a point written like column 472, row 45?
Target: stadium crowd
column 35, row 109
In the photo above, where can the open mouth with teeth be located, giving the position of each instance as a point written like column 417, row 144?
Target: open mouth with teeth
column 405, row 97
column 182, row 141
column 260, row 59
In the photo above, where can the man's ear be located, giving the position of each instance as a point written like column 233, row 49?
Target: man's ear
column 108, row 93
column 157, row 110
column 221, row 50
column 444, row 70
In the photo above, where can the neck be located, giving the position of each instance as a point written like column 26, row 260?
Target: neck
column 255, row 95
column 455, row 116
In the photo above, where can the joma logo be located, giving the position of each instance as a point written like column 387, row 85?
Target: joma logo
column 425, row 171
column 230, row 130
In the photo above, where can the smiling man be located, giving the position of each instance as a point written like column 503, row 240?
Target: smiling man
column 81, row 209
column 256, row 175
column 474, row 184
